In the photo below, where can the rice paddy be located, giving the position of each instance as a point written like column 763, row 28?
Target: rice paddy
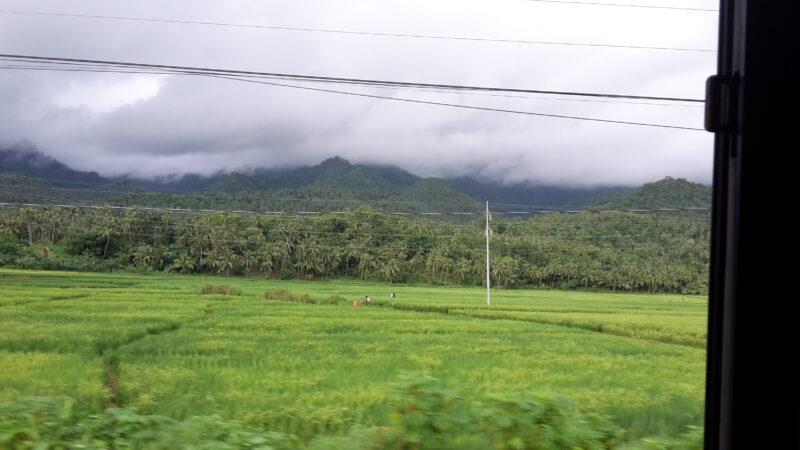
column 171, row 345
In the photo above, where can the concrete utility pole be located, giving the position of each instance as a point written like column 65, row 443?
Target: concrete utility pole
column 488, row 277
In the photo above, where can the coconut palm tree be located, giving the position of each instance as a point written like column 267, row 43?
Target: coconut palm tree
column 106, row 226
column 223, row 260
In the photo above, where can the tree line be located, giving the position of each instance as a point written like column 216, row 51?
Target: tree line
column 653, row 252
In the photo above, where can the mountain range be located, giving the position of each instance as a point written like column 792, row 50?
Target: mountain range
column 334, row 179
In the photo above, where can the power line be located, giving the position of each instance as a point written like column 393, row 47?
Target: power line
column 165, row 229
column 247, row 198
column 320, row 212
column 255, row 197
column 162, row 224
column 445, row 104
column 450, row 252
column 252, row 196
column 319, row 78
column 375, row 86
column 476, row 234
column 624, row 5
column 217, row 211
column 539, row 210
column 471, row 107
column 581, row 211
column 354, row 32
column 48, row 203
column 264, row 197
column 76, row 67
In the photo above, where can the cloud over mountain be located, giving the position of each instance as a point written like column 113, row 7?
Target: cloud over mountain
column 148, row 125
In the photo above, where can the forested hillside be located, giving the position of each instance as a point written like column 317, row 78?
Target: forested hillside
column 25, row 160
column 384, row 224
column 351, row 185
column 667, row 193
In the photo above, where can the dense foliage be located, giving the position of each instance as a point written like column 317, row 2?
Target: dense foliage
column 609, row 251
column 50, row 423
column 427, row 415
column 667, row 193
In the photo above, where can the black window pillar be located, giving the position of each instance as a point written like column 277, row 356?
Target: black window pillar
column 753, row 345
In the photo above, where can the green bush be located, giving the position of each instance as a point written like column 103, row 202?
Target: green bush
column 220, row 289
column 286, row 296
column 81, row 263
column 336, row 300
column 426, row 414
column 10, row 249
column 47, row 423
column 29, row 262
column 85, row 243
column 429, row 415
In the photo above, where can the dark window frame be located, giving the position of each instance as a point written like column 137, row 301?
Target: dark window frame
column 751, row 393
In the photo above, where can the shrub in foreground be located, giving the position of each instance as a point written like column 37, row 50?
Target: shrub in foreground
column 426, row 415
column 46, row 423
column 429, row 415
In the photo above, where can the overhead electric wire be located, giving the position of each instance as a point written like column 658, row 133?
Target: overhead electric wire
column 631, row 208
column 410, row 89
column 457, row 252
column 320, row 212
column 444, row 104
column 82, row 67
column 476, row 233
column 353, row 32
column 506, row 238
column 374, row 86
column 625, row 5
column 254, row 196
column 470, row 107
column 666, row 225
column 266, row 197
column 145, row 208
column 417, row 248
column 319, row 78
column 536, row 209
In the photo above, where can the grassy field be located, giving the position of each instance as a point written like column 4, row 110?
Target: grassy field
column 156, row 344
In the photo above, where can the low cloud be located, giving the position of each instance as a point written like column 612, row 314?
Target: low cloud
column 156, row 125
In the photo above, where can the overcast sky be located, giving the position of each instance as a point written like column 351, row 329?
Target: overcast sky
column 148, row 125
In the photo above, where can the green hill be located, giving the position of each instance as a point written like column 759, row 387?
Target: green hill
column 334, row 173
column 26, row 160
column 666, row 193
column 331, row 185
column 360, row 183
column 438, row 194
column 534, row 194
column 236, row 182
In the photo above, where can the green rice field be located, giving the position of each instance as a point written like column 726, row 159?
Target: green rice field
column 157, row 345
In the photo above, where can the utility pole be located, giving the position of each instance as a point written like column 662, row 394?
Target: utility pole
column 488, row 277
